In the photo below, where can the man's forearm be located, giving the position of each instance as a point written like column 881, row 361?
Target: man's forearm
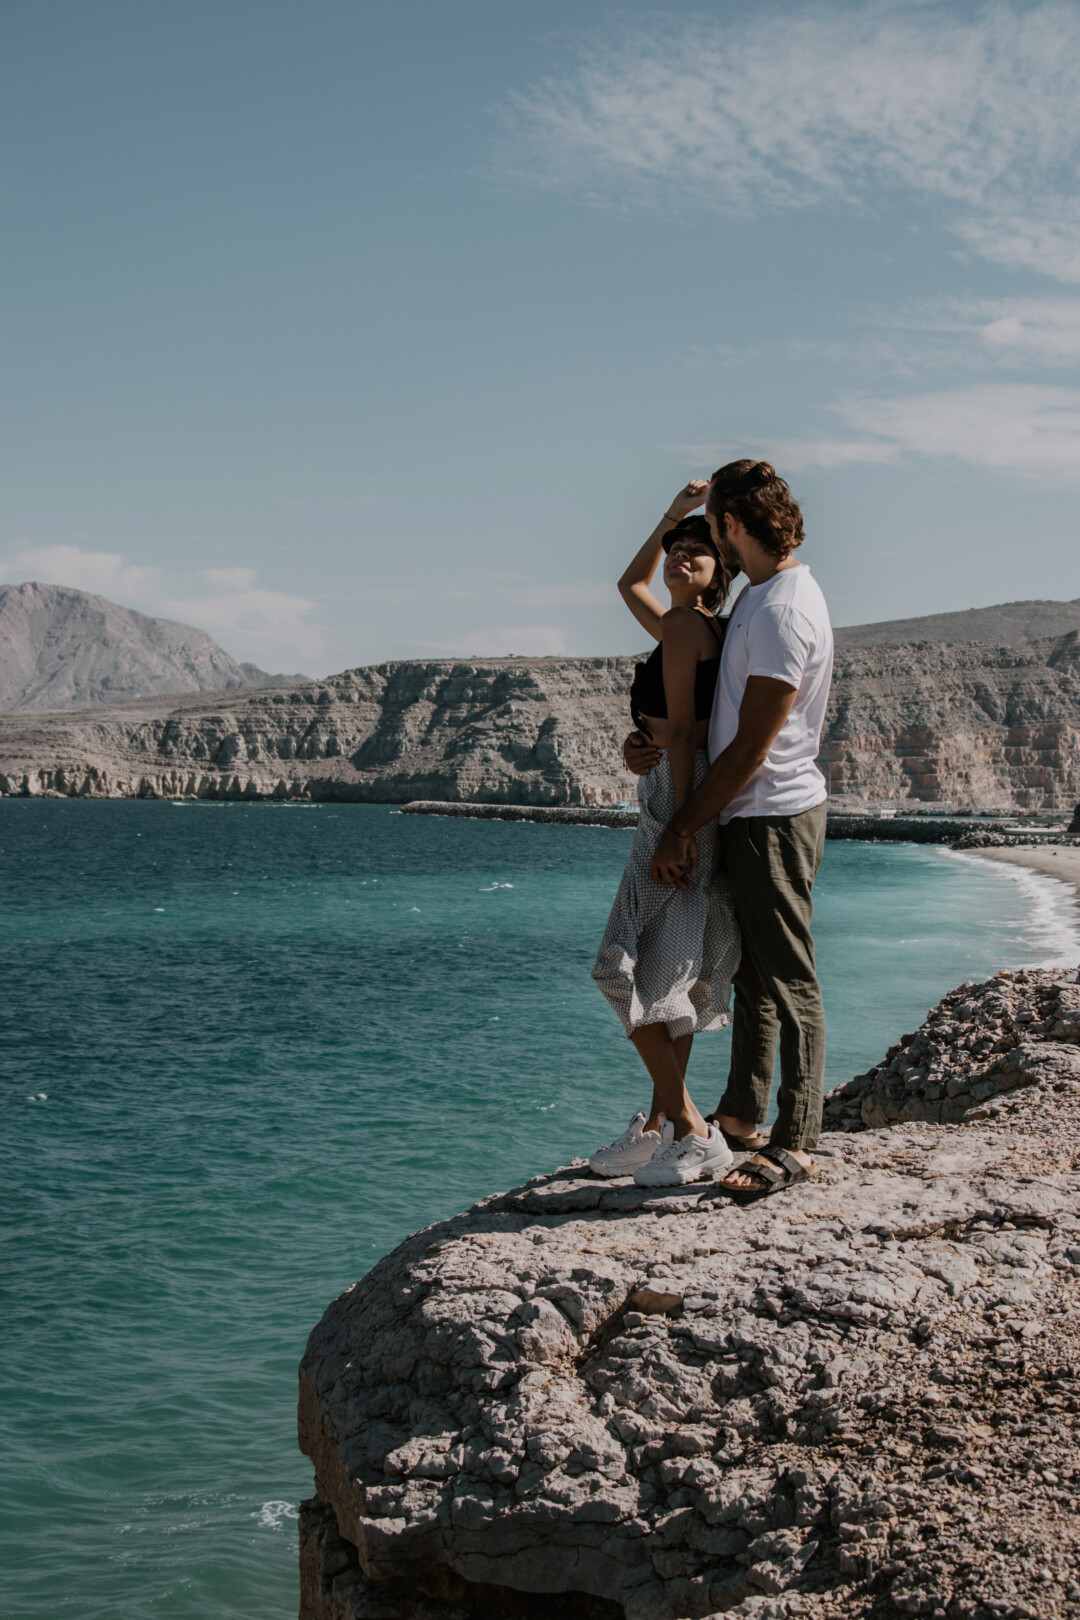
column 728, row 775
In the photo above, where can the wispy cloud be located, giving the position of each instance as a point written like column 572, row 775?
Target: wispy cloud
column 1025, row 428
column 788, row 455
column 1022, row 428
column 270, row 628
column 976, row 115
column 1016, row 331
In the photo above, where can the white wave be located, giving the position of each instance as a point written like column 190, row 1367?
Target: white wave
column 1051, row 931
column 273, row 1515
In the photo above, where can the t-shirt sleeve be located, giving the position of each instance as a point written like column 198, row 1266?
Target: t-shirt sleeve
column 780, row 641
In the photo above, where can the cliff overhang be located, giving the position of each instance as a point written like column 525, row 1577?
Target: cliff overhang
column 661, row 1405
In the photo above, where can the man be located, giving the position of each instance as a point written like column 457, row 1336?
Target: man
column 770, row 798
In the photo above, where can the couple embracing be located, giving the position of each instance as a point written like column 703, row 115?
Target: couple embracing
column 727, row 717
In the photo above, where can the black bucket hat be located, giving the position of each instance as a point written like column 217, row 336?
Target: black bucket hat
column 695, row 528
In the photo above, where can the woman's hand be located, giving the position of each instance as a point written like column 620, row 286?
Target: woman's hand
column 674, row 860
column 689, row 498
column 639, row 754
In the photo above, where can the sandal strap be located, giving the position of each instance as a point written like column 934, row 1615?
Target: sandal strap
column 788, row 1163
column 765, row 1173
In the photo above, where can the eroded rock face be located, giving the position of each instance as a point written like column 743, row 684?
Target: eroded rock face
column 980, row 1043
column 865, row 1389
column 989, row 727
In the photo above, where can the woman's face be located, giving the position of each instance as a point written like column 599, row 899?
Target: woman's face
column 690, row 566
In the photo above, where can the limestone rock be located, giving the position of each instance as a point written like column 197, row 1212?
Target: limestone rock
column 592, row 1393
column 981, row 1042
column 990, row 727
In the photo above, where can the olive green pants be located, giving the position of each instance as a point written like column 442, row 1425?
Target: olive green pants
column 771, row 863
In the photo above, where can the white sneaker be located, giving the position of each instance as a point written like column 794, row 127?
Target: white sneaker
column 635, row 1146
column 675, row 1163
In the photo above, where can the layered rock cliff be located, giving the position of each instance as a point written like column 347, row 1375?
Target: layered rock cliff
column 981, row 727
column 860, row 1397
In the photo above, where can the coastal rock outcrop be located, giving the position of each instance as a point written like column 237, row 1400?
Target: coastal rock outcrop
column 585, row 1398
column 980, row 1043
column 992, row 728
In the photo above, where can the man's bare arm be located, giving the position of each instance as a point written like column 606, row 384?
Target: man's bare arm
column 765, row 706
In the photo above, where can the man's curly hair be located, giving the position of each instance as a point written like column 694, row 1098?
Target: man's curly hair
column 761, row 501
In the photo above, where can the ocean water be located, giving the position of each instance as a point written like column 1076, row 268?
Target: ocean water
column 244, row 1050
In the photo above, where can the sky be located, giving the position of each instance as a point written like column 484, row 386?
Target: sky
column 350, row 331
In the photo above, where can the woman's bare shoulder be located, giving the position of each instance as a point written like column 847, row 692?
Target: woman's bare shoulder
column 686, row 627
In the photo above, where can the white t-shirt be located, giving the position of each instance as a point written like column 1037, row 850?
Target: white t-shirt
column 780, row 629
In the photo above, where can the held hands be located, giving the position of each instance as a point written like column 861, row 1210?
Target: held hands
column 689, row 498
column 674, row 860
column 639, row 754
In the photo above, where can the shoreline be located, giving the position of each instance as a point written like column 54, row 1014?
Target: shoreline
column 1061, row 862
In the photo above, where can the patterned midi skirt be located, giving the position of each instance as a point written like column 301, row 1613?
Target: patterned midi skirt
column 668, row 955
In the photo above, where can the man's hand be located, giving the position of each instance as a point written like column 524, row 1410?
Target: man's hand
column 639, row 754
column 674, row 860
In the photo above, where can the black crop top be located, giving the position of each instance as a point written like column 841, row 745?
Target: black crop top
column 647, row 695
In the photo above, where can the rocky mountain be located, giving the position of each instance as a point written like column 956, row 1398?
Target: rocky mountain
column 1010, row 624
column 66, row 649
column 981, row 727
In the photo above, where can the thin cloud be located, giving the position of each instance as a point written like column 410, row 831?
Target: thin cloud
column 788, row 455
column 1017, row 331
column 271, row 628
column 978, row 116
column 1024, row 428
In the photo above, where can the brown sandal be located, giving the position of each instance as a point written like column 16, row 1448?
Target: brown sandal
column 783, row 1170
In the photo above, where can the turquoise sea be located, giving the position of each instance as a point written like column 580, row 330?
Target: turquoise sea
column 244, row 1050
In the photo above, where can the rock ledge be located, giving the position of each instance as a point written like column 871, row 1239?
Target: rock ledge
column 584, row 1399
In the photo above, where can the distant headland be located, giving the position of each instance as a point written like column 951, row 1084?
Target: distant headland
column 915, row 721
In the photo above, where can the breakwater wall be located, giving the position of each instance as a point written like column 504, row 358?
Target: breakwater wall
column 972, row 832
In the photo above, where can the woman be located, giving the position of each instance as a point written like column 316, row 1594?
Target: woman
column 668, row 954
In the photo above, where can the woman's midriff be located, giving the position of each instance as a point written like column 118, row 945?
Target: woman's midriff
column 657, row 731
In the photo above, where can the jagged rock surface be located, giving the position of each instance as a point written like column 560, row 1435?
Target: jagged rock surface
column 989, row 728
column 861, row 1397
column 980, row 1043
column 64, row 649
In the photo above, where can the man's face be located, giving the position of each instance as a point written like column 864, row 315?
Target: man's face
column 720, row 540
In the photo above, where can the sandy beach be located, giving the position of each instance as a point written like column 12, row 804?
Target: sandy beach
column 1060, row 862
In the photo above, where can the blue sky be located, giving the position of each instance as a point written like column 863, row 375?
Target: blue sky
column 352, row 331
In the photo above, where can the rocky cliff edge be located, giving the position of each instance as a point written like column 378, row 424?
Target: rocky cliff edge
column 581, row 1399
column 983, row 727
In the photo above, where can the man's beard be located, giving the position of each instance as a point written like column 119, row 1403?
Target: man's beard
column 729, row 555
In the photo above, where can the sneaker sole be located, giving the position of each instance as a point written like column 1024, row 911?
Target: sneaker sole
column 610, row 1171
column 704, row 1172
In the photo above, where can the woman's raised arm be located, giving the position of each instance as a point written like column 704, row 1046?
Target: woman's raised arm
column 634, row 584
